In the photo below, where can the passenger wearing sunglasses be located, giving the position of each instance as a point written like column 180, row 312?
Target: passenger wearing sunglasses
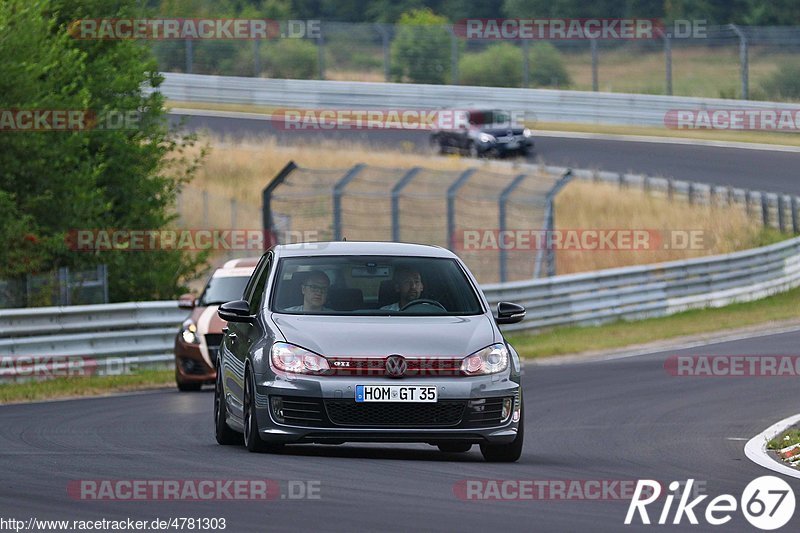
column 315, row 293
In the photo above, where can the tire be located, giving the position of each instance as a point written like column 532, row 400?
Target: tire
column 455, row 447
column 224, row 434
column 252, row 438
column 506, row 453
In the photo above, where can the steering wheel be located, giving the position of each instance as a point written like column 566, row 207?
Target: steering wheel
column 423, row 301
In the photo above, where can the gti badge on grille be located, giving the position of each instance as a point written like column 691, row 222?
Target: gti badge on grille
column 396, row 366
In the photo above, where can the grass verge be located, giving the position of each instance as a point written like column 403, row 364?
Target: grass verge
column 70, row 387
column 575, row 339
column 787, row 438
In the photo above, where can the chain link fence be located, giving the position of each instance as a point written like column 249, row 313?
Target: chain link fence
column 718, row 61
column 61, row 287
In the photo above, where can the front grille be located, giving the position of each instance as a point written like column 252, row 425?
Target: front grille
column 213, row 341
column 485, row 412
column 444, row 413
column 301, row 411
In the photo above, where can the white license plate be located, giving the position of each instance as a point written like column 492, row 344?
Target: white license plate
column 395, row 393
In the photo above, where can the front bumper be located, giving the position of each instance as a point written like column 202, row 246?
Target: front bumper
column 190, row 365
column 324, row 410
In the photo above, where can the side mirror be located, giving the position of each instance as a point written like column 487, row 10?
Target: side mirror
column 186, row 301
column 236, row 311
column 509, row 313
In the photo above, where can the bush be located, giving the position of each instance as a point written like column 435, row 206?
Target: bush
column 784, row 84
column 500, row 65
column 547, row 67
column 291, row 58
column 420, row 51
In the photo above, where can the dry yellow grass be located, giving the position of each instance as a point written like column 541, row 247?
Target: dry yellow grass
column 241, row 170
column 724, row 228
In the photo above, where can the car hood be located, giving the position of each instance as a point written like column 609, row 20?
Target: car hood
column 341, row 336
column 207, row 320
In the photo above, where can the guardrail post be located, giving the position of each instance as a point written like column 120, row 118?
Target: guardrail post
column 266, row 204
column 690, row 192
column 795, row 228
column 670, row 189
column 621, row 180
column 396, row 190
column 712, row 193
column 764, row 209
column 502, row 220
column 451, row 204
column 595, row 77
column 338, row 191
column 781, row 213
column 748, row 202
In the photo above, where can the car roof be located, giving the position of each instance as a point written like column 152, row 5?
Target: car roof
column 361, row 248
column 237, row 267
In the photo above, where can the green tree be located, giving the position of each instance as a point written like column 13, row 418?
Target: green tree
column 58, row 181
column 500, row 65
column 420, row 51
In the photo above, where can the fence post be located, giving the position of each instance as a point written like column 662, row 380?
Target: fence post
column 189, row 56
column 396, row 190
column 385, row 43
column 595, row 80
column 549, row 225
column 501, row 208
column 321, row 53
column 453, row 56
column 256, row 58
column 670, row 189
column 526, row 63
column 690, row 192
column 743, row 61
column 795, row 229
column 668, row 62
column 764, row 209
column 338, row 192
column 266, row 203
column 103, row 275
column 451, row 204
column 781, row 223
column 748, row 202
column 63, row 286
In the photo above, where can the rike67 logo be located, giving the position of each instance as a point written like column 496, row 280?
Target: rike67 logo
column 767, row 502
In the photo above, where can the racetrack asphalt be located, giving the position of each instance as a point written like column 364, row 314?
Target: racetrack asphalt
column 768, row 170
column 624, row 419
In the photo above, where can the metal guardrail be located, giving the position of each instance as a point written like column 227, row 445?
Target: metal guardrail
column 144, row 331
column 538, row 104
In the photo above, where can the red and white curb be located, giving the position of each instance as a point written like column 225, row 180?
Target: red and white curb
column 756, row 448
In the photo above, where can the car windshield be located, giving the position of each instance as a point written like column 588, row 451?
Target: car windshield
column 221, row 289
column 480, row 118
column 373, row 285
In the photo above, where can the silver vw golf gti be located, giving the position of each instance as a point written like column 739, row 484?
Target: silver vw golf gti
column 371, row 342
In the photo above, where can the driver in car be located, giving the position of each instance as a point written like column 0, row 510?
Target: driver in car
column 408, row 284
column 315, row 293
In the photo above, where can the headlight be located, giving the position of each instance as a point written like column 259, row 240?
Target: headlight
column 189, row 333
column 527, row 133
column 490, row 360
column 290, row 358
column 486, row 138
